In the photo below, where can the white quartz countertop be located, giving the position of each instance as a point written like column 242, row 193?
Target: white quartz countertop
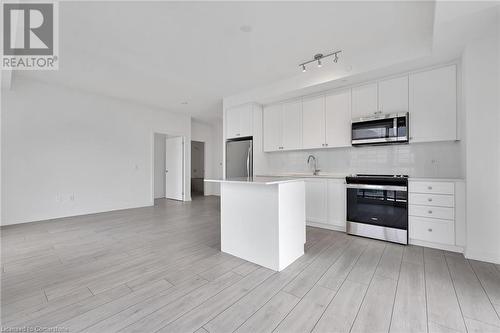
column 257, row 180
column 340, row 176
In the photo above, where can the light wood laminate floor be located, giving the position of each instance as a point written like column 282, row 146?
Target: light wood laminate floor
column 159, row 269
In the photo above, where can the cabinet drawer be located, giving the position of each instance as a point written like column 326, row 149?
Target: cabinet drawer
column 432, row 187
column 432, row 230
column 441, row 200
column 432, row 212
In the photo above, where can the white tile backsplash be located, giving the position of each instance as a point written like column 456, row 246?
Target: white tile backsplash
column 436, row 159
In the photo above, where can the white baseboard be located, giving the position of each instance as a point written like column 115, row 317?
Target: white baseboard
column 80, row 213
column 451, row 248
column 483, row 256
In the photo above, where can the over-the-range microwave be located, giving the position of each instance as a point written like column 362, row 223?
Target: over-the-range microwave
column 380, row 129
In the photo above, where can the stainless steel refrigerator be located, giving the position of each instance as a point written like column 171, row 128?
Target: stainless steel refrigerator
column 239, row 158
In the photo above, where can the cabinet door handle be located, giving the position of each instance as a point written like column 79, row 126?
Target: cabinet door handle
column 237, row 134
column 429, row 230
column 430, row 199
column 429, row 187
column 430, row 211
column 326, row 144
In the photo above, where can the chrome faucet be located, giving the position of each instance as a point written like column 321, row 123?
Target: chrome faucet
column 316, row 170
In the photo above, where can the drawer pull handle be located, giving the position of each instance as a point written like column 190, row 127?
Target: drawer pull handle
column 429, row 187
column 429, row 230
column 430, row 211
column 430, row 199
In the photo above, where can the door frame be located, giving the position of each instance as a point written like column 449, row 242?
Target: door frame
column 204, row 165
column 186, row 165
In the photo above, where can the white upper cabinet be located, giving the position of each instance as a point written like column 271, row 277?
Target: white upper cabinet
column 338, row 119
column 272, row 127
column 292, row 125
column 433, row 105
column 283, row 126
column 239, row 121
column 313, row 122
column 364, row 100
column 393, row 95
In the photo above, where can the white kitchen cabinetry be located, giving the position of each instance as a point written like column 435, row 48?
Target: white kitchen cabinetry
column 313, row 122
column 239, row 121
column 433, row 105
column 336, row 202
column 292, row 125
column 316, row 200
column 273, row 115
column 364, row 100
column 326, row 203
column 393, row 95
column 283, row 126
column 385, row 97
column 338, row 119
column 437, row 214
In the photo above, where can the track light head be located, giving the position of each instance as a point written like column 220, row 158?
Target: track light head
column 318, row 57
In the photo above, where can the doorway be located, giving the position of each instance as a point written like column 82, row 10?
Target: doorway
column 197, row 168
column 168, row 172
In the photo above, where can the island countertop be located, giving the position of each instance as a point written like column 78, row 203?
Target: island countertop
column 256, row 180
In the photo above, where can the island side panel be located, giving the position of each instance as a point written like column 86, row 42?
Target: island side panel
column 249, row 223
column 292, row 222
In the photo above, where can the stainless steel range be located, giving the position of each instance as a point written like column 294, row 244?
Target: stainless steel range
column 377, row 207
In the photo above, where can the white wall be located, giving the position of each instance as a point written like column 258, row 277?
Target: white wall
column 481, row 64
column 211, row 135
column 66, row 152
column 159, row 165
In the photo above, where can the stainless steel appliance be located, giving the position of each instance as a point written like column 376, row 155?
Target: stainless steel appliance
column 377, row 207
column 239, row 158
column 380, row 129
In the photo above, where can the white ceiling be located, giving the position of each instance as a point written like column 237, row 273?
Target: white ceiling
column 164, row 53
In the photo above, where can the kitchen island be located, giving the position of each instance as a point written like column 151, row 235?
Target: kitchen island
column 263, row 219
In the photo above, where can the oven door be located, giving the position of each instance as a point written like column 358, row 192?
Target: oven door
column 384, row 130
column 379, row 205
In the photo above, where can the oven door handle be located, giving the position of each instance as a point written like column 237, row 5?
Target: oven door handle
column 378, row 187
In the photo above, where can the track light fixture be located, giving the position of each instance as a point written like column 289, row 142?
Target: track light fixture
column 318, row 57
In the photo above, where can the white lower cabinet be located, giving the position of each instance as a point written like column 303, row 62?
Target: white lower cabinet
column 336, row 198
column 316, row 202
column 326, row 203
column 435, row 216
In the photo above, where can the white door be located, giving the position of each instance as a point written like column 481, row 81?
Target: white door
column 174, row 168
column 364, row 100
column 393, row 95
column 313, row 122
column 272, row 127
column 316, row 204
column 292, row 125
column 338, row 119
column 433, row 105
